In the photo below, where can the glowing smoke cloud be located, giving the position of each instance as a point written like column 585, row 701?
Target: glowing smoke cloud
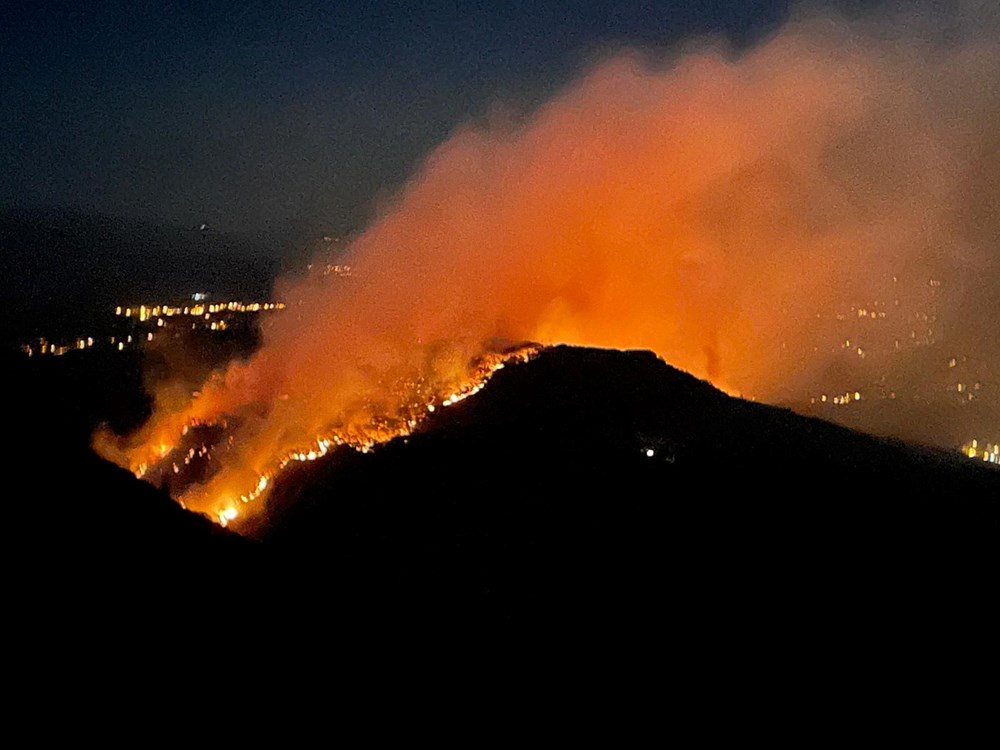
column 706, row 209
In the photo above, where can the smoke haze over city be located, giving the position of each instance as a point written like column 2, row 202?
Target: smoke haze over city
column 809, row 220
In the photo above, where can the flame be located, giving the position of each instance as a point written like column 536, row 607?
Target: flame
column 360, row 436
column 714, row 210
column 363, row 433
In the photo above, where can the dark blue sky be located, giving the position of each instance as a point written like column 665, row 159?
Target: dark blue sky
column 252, row 115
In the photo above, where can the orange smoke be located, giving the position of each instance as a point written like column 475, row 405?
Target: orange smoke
column 707, row 209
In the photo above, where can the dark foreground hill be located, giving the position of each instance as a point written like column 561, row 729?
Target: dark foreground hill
column 585, row 489
column 600, row 485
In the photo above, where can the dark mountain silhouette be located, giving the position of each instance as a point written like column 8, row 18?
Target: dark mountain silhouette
column 537, row 500
column 88, row 544
column 537, row 503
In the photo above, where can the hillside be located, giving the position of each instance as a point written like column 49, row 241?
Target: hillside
column 539, row 499
column 585, row 487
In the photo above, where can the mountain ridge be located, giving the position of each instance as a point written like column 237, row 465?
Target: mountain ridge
column 585, row 485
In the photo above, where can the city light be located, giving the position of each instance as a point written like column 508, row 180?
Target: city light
column 225, row 315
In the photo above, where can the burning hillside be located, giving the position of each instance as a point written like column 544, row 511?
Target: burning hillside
column 712, row 209
column 199, row 467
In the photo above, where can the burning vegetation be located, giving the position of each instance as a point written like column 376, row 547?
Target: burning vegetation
column 188, row 468
column 714, row 209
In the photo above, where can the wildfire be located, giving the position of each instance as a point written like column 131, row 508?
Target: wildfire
column 362, row 435
column 709, row 209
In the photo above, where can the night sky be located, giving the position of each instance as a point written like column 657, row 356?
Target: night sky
column 258, row 116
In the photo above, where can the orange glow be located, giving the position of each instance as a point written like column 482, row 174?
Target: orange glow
column 704, row 210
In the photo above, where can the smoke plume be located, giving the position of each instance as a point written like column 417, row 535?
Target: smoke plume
column 718, row 207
